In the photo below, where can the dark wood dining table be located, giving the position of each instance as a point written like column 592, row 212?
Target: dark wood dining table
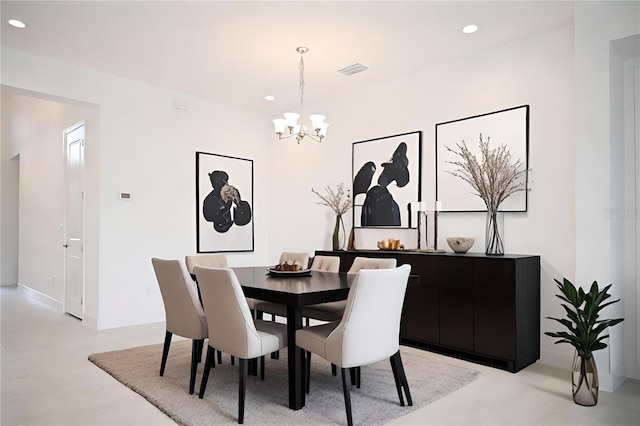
column 294, row 292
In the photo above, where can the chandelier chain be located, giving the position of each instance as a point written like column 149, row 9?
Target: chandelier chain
column 301, row 68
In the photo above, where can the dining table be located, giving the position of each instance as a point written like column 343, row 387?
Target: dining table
column 294, row 291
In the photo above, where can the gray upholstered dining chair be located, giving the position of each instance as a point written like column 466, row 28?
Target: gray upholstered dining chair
column 363, row 336
column 211, row 261
column 183, row 312
column 232, row 329
column 274, row 308
column 216, row 260
column 293, row 257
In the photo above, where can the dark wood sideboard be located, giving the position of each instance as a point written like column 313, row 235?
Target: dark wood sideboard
column 484, row 309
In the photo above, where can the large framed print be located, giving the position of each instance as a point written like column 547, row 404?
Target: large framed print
column 509, row 127
column 224, row 203
column 386, row 178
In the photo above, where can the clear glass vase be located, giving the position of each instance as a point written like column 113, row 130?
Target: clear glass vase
column 494, row 244
column 584, row 378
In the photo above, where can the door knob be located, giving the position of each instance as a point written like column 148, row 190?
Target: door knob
column 65, row 245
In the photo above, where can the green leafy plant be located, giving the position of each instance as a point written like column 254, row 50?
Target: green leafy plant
column 582, row 319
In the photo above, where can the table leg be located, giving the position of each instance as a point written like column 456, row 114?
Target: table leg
column 296, row 388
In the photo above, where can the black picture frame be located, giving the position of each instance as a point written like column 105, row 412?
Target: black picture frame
column 224, row 203
column 374, row 163
column 509, row 127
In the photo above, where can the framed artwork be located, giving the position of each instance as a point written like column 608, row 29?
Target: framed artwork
column 386, row 178
column 509, row 127
column 224, row 203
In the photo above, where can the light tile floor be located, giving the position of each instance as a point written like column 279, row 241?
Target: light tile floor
column 46, row 379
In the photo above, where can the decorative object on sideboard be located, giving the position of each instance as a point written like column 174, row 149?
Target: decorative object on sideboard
column 494, row 178
column 290, row 125
column 334, row 200
column 390, row 244
column 460, row 244
column 351, row 244
column 420, row 207
column 584, row 329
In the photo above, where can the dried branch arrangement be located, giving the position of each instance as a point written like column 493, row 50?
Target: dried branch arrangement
column 334, row 199
column 494, row 178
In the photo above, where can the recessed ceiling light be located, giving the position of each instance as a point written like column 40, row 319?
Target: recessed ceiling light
column 270, row 98
column 16, row 23
column 470, row 29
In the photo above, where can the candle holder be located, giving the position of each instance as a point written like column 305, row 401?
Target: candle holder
column 435, row 248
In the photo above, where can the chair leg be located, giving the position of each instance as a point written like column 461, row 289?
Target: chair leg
column 262, row 367
column 334, row 370
column 352, row 374
column 196, row 353
column 207, row 366
column 346, row 388
column 275, row 355
column 402, row 377
column 394, row 368
column 307, row 371
column 219, row 357
column 165, row 351
column 358, row 377
column 200, row 349
column 243, row 373
column 233, row 360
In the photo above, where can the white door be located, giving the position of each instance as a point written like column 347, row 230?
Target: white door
column 74, row 218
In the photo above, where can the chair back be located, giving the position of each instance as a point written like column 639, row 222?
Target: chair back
column 206, row 260
column 326, row 263
column 371, row 263
column 290, row 257
column 183, row 312
column 370, row 327
column 231, row 327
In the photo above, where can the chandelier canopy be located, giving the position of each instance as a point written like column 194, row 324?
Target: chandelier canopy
column 290, row 126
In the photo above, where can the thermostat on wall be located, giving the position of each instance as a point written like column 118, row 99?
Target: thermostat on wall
column 124, row 195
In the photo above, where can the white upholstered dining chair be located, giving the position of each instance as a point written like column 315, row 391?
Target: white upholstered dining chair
column 183, row 312
column 363, row 336
column 232, row 329
column 333, row 311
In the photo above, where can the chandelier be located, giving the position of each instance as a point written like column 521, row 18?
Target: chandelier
column 289, row 126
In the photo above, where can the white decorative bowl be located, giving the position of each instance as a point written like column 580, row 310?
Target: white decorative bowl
column 460, row 244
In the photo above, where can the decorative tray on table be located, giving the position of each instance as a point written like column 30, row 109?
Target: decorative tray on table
column 274, row 271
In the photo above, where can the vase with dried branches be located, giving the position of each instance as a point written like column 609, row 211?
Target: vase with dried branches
column 340, row 202
column 493, row 178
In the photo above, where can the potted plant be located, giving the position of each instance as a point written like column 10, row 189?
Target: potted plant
column 584, row 334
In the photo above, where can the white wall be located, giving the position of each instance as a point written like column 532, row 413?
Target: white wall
column 146, row 147
column 536, row 71
column 599, row 243
column 10, row 169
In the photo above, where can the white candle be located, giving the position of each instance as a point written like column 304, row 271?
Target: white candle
column 438, row 206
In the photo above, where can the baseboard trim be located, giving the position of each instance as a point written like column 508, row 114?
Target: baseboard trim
column 47, row 300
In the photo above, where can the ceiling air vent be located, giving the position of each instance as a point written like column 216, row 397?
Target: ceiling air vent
column 353, row 69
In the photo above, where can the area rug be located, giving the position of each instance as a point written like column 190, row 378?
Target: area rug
column 375, row 403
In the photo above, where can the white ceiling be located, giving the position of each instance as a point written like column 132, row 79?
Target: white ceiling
column 236, row 52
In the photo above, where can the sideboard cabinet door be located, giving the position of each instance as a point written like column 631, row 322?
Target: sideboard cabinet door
column 454, row 278
column 494, row 313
